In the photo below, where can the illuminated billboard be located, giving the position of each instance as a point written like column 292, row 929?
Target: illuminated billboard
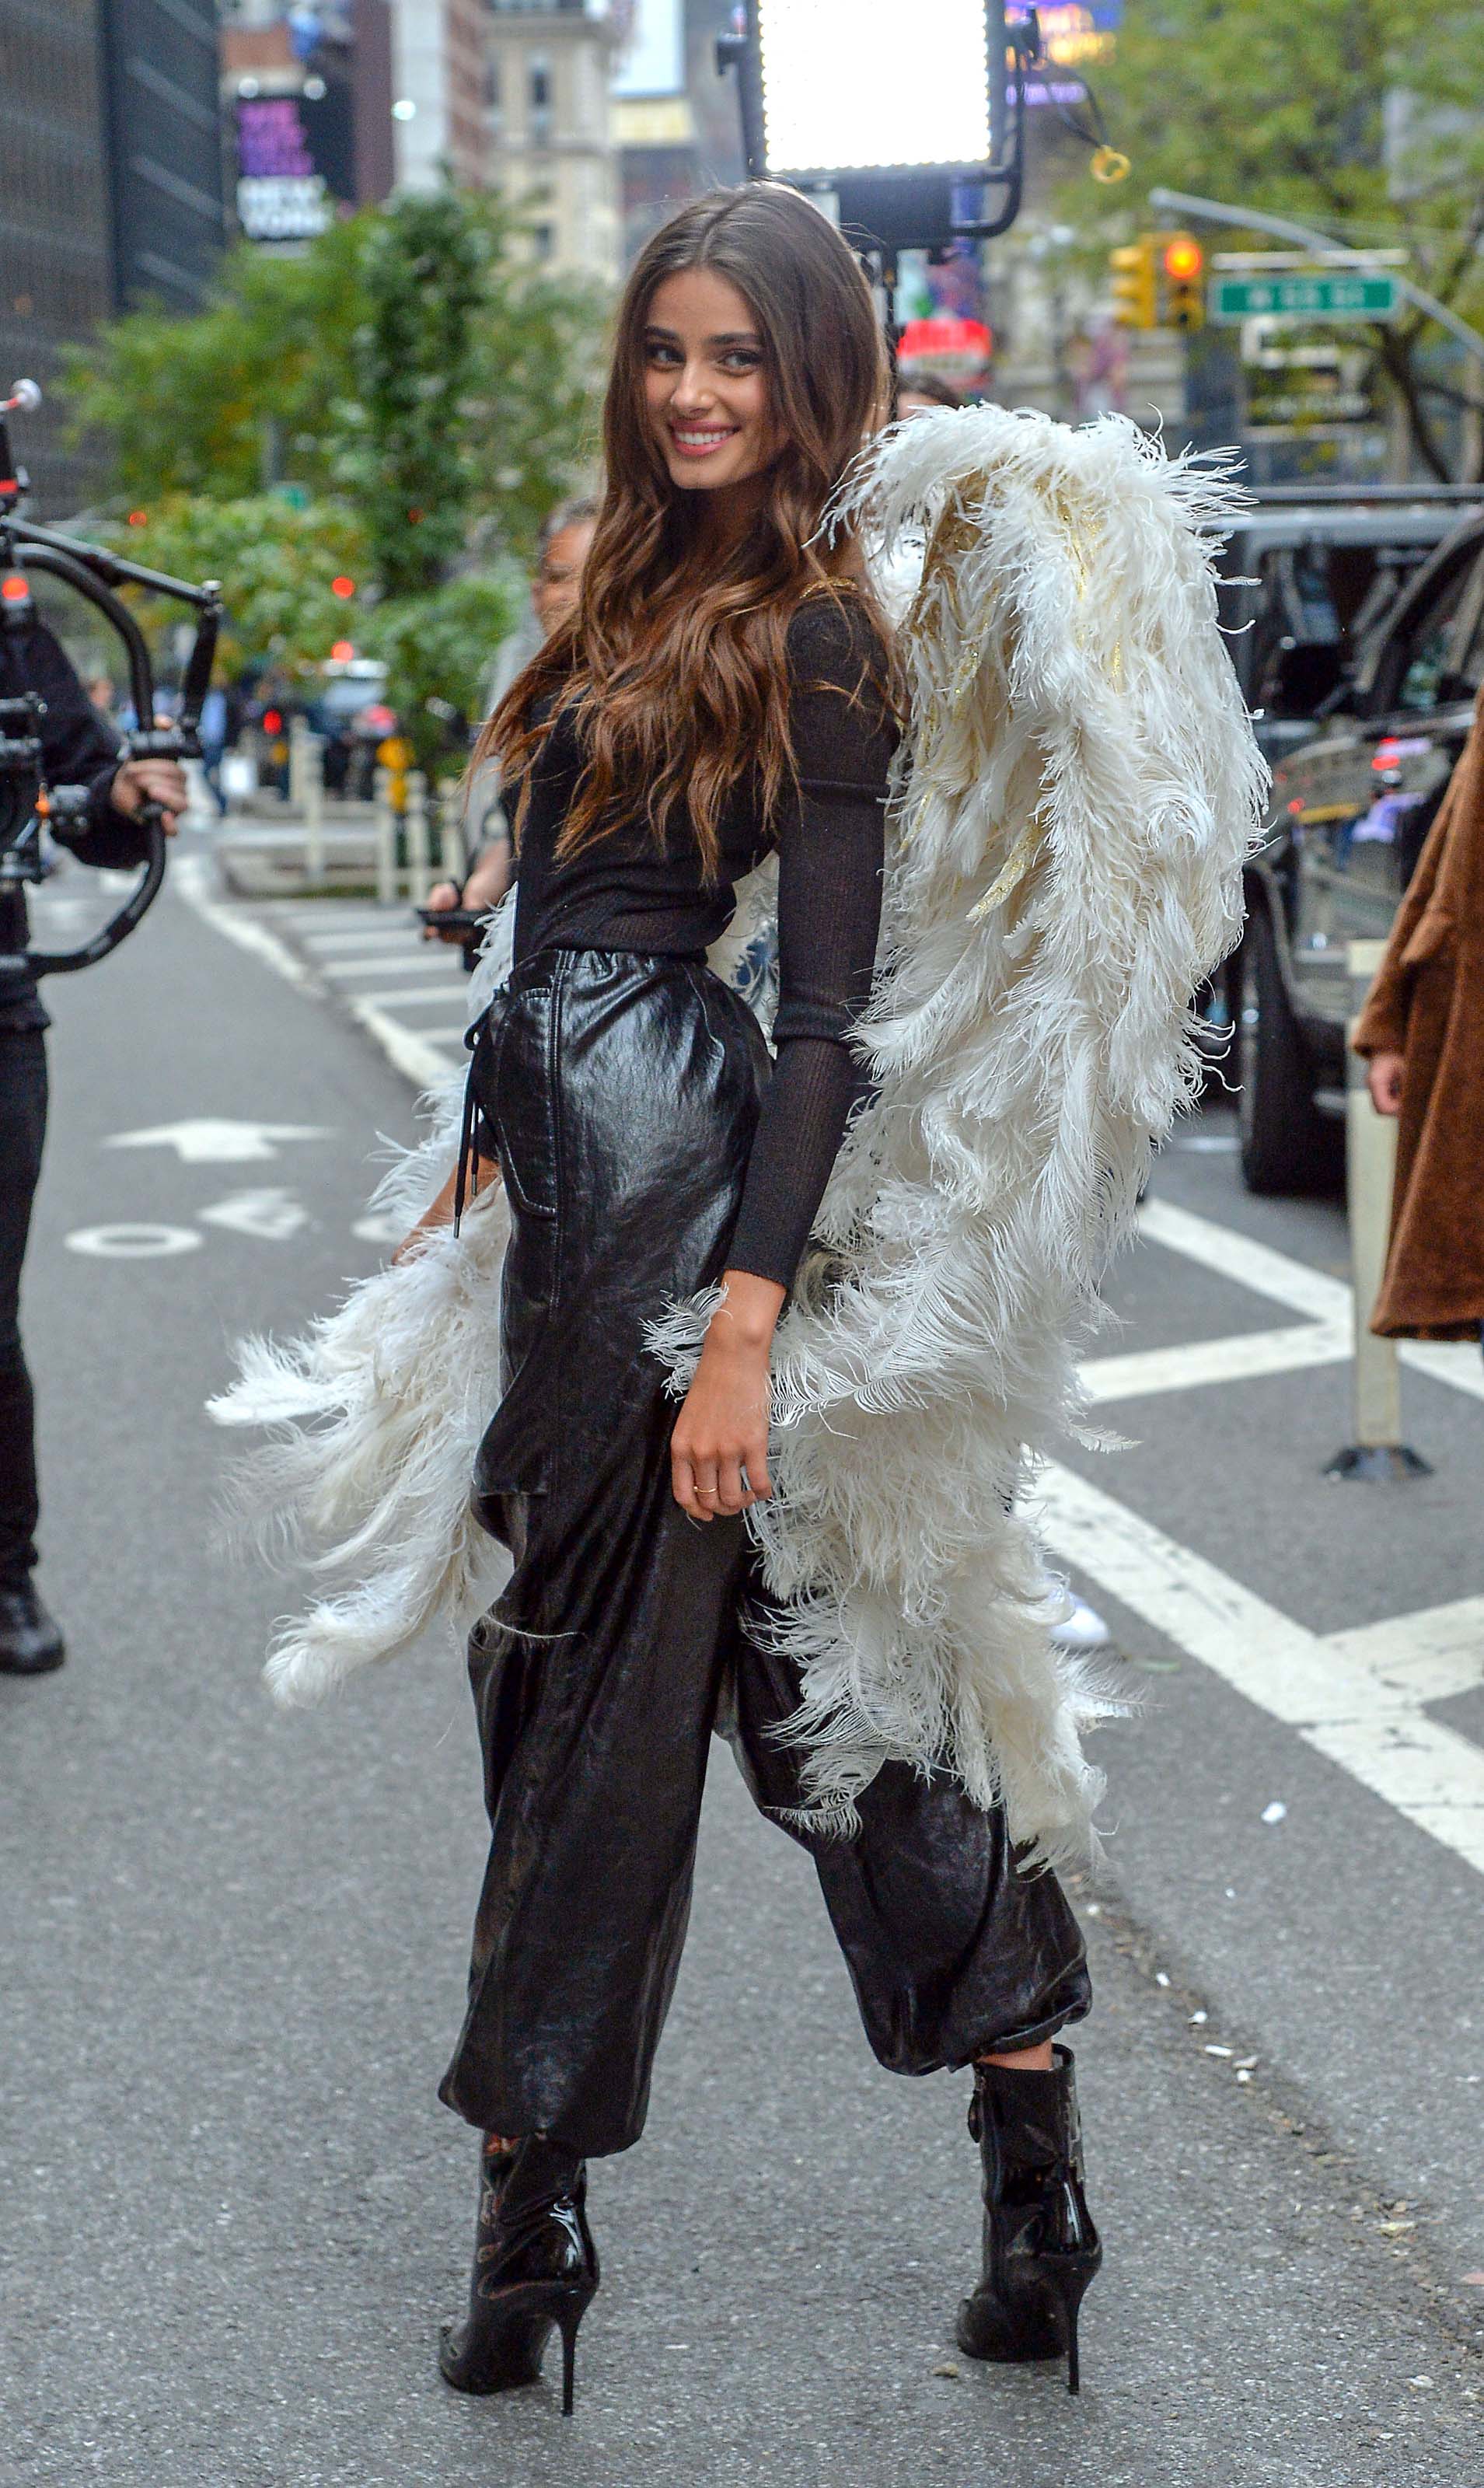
column 295, row 162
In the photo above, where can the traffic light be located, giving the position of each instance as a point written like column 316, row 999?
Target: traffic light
column 1185, row 264
column 1135, row 283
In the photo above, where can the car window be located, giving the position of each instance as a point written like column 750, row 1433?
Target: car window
column 1423, row 672
column 1317, row 604
column 1468, row 660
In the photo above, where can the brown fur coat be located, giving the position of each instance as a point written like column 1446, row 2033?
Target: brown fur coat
column 1427, row 1004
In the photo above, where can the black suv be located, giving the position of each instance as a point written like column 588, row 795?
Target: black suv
column 1308, row 577
column 1353, row 799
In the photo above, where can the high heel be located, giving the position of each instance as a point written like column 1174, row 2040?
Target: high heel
column 535, row 2269
column 1040, row 2249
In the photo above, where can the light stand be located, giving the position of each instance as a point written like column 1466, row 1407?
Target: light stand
column 889, row 205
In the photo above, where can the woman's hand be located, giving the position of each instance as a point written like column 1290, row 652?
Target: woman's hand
column 484, row 889
column 440, row 1211
column 1384, row 1080
column 718, row 1451
column 443, row 895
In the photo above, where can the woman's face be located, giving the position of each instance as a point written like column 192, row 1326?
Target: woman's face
column 557, row 585
column 706, row 382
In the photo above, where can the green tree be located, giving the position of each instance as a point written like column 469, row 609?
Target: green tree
column 1360, row 116
column 417, row 389
column 410, row 358
column 276, row 565
column 237, row 396
column 437, row 650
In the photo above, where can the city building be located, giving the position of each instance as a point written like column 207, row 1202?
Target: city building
column 438, row 68
column 110, row 188
column 307, row 98
column 676, row 123
column 548, row 73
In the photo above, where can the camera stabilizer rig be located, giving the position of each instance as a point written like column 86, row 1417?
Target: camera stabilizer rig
column 27, row 801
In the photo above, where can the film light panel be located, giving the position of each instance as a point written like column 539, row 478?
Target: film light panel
column 861, row 84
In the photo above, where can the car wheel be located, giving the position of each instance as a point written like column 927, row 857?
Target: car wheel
column 1287, row 1146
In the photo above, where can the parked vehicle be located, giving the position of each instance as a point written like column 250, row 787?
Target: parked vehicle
column 1309, row 578
column 1352, row 805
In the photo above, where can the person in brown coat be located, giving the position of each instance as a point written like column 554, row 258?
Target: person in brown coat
column 1423, row 1031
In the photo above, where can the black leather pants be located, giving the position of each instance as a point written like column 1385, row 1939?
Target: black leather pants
column 622, row 1092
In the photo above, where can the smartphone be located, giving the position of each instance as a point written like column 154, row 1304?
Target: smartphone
column 452, row 920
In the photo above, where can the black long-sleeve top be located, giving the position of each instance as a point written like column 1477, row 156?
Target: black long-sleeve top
column 79, row 750
column 622, row 893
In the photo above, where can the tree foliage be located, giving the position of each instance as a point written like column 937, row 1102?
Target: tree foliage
column 437, row 650
column 247, row 391
column 1359, row 117
column 409, row 358
column 402, row 403
column 275, row 561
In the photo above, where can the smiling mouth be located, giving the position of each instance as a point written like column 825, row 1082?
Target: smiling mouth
column 697, row 440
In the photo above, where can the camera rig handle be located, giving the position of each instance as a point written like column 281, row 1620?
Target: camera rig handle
column 94, row 573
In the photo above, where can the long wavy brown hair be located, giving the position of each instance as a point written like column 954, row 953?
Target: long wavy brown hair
column 674, row 669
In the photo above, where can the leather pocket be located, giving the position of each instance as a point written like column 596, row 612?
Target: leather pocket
column 521, row 1088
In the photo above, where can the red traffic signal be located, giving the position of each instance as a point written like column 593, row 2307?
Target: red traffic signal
column 342, row 651
column 342, row 586
column 14, row 588
column 272, row 722
column 1185, row 264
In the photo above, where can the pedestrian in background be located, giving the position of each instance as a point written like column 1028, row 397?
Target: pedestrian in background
column 211, row 733
column 555, row 586
column 1422, row 1035
column 924, row 393
column 78, row 749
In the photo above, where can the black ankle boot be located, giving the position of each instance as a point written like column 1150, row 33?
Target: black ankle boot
column 30, row 1639
column 535, row 2266
column 1040, row 2249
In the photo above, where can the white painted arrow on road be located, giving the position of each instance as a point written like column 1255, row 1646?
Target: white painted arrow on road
column 212, row 1141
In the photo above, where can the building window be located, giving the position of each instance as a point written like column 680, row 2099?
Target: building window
column 492, row 92
column 543, row 240
column 540, row 96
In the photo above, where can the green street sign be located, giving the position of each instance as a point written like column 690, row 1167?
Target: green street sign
column 1330, row 293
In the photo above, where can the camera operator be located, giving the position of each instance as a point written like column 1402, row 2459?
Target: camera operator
column 79, row 749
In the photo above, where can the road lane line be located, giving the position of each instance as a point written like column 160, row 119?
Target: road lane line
column 1287, row 1282
column 189, row 876
column 1252, row 1265
column 1204, row 1361
column 1427, row 1774
column 415, row 1057
column 375, row 967
column 1430, row 1656
column 406, row 935
column 408, row 994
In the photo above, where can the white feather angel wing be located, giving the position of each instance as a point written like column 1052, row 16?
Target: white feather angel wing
column 1079, row 791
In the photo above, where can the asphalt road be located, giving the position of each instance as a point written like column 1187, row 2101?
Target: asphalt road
column 231, row 2208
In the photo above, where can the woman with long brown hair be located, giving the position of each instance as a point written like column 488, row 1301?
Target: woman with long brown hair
column 723, row 692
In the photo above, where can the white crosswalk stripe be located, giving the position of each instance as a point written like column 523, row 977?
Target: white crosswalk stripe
column 1356, row 1697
